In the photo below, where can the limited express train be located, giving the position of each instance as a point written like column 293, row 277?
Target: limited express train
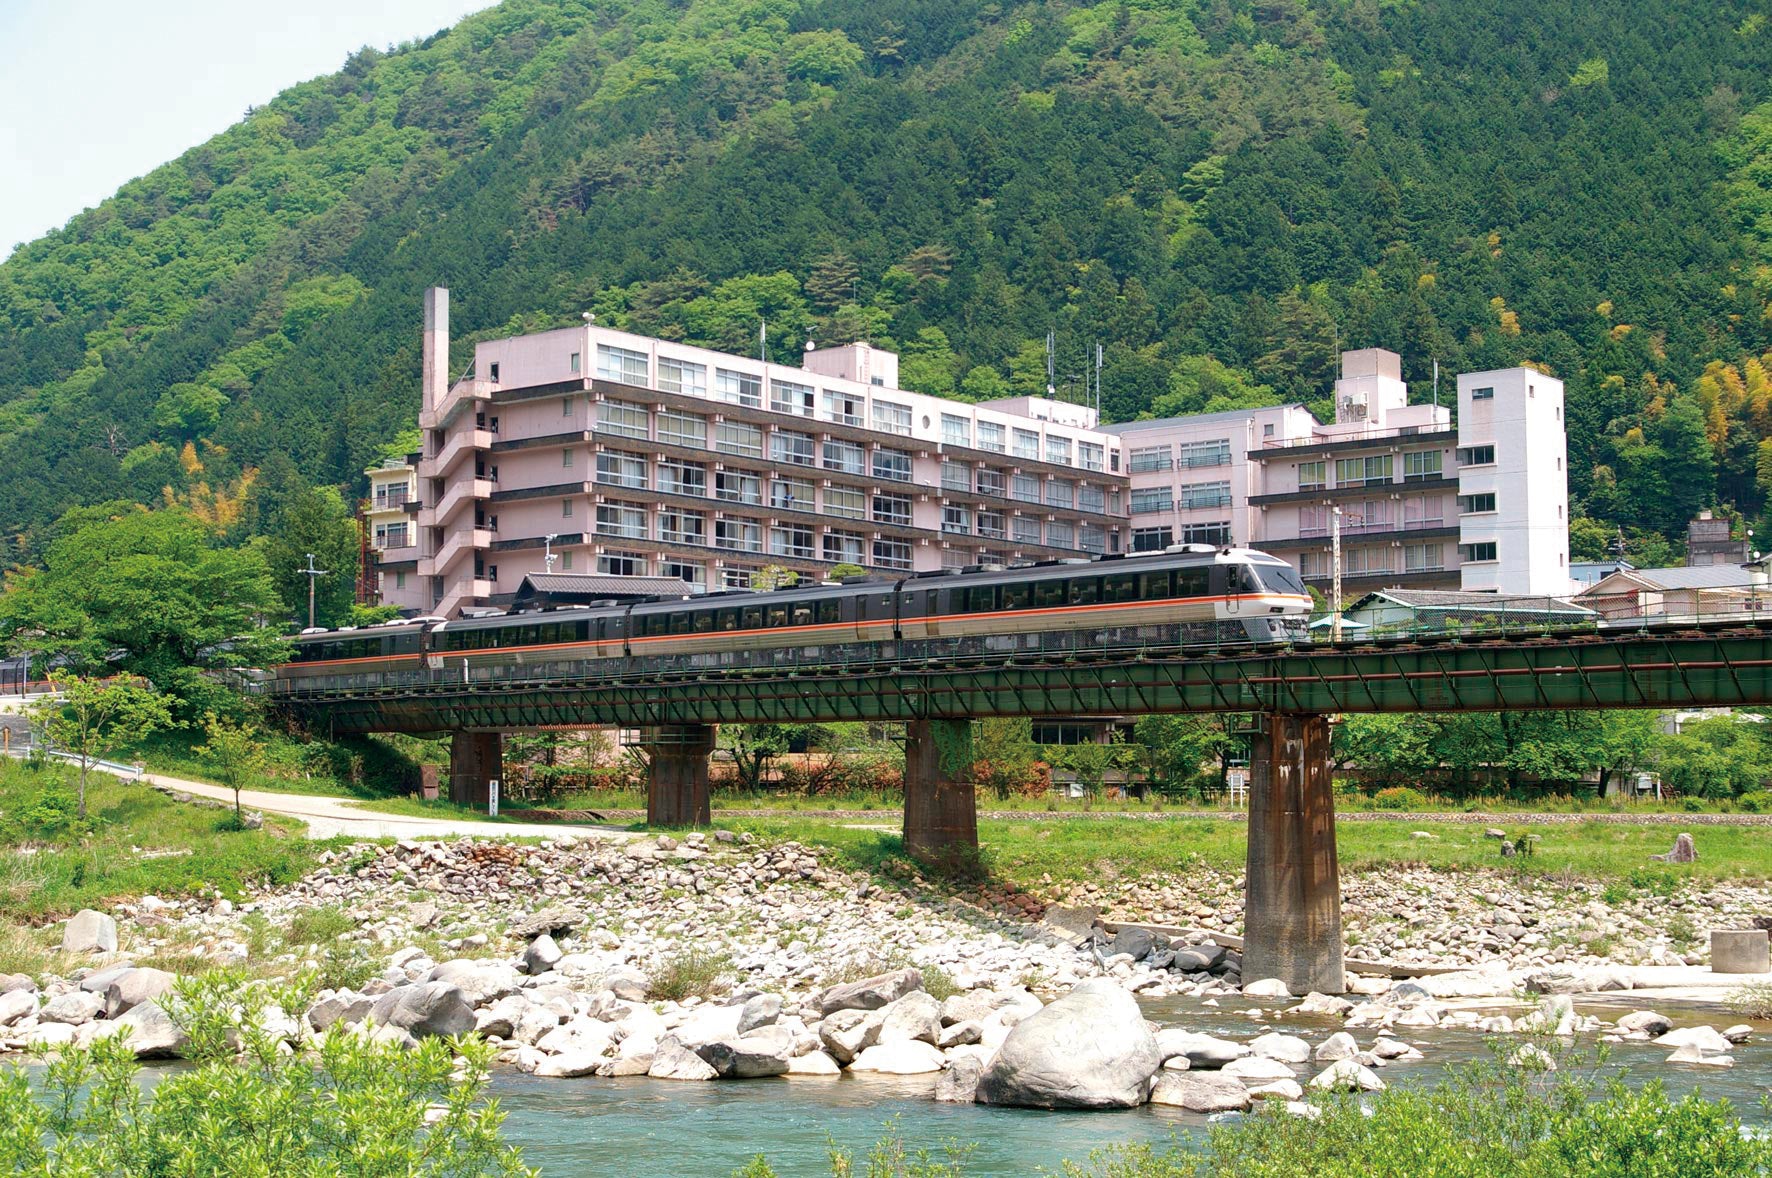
column 1190, row 596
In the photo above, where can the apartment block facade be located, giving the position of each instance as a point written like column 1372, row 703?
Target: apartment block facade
column 1423, row 503
column 588, row 449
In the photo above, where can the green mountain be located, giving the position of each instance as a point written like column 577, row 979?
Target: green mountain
column 1222, row 192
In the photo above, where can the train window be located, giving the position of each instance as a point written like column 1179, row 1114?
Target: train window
column 1119, row 587
column 777, row 614
column 1017, row 596
column 802, row 613
column 753, row 617
column 1191, row 582
column 657, row 623
column 728, row 620
column 1049, row 593
column 680, row 623
column 1085, row 591
column 1153, row 586
column 704, row 621
column 830, row 611
column 981, row 599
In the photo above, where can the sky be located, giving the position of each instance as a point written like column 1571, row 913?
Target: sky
column 94, row 93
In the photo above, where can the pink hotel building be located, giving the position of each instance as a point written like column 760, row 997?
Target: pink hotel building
column 590, row 450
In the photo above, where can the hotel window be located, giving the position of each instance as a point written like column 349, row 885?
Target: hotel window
column 676, row 477
column 735, row 437
column 738, row 388
column 1422, row 558
column 844, row 548
column 1357, row 472
column 683, row 429
column 791, row 494
column 1420, row 511
column 1472, row 504
column 575, row 363
column 1483, row 394
column 565, row 509
column 955, row 560
column 739, row 535
column 1213, row 453
column 1144, row 459
column 1476, row 456
column 622, row 564
column 682, row 377
column 1368, row 561
column 1091, row 456
column 1091, row 498
column 495, row 372
column 891, row 418
column 787, row 397
column 1313, row 521
column 844, row 408
column 791, row 541
column 1312, row 476
column 1421, row 464
column 892, row 464
column 1149, row 500
column 1025, row 443
column 990, row 481
column 736, row 577
column 621, row 519
column 956, row 476
column 1025, row 487
column 677, row 526
column 1058, row 450
column 567, row 457
column 956, row 519
column 616, row 469
column 846, row 457
column 1060, row 493
column 892, row 509
column 622, row 419
column 990, row 436
column 1092, row 538
column 1206, row 495
column 790, row 447
column 683, row 570
column 620, row 364
column 992, row 525
column 1152, row 539
column 1218, row 533
column 955, row 430
column 1061, row 534
column 845, row 502
column 892, row 554
column 1026, row 529
column 738, row 486
column 566, row 404
column 1313, row 564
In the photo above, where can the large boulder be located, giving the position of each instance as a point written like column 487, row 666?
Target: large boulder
column 1200, row 1092
column 673, row 1061
column 749, row 1057
column 89, row 932
column 1090, row 1049
column 1202, row 1052
column 548, row 920
column 135, row 987
column 813, row 1063
column 479, row 981
column 915, row 1016
column 73, row 1008
column 1646, row 1022
column 15, row 1005
column 541, row 955
column 1707, row 1038
column 10, row 982
column 759, row 1010
column 343, row 1008
column 959, row 1081
column 1285, row 1048
column 848, row 1033
column 152, row 1033
column 427, row 1008
column 871, row 993
column 907, row 1057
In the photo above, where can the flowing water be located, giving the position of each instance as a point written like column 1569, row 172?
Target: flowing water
column 639, row 1128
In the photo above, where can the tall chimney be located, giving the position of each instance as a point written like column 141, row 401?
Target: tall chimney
column 436, row 351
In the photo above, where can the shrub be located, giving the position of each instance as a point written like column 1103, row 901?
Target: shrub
column 1399, row 797
column 1753, row 1000
column 688, row 973
column 317, row 926
column 1758, row 801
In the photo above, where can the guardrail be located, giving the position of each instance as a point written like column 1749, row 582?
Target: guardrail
column 121, row 768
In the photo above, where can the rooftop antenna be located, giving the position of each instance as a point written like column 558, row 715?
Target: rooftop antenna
column 1436, row 384
column 763, row 340
column 312, row 574
column 1051, row 347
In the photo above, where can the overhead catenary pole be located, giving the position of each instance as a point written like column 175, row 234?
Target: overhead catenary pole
column 1335, row 574
column 547, row 551
column 313, row 574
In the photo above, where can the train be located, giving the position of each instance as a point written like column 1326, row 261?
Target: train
column 1182, row 597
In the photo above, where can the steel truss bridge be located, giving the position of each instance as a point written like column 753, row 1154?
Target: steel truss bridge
column 1709, row 664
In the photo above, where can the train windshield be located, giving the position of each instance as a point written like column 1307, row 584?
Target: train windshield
column 1280, row 578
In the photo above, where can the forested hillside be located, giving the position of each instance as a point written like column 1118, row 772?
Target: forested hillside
column 1221, row 192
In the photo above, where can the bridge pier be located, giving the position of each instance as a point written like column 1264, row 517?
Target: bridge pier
column 677, row 774
column 1292, row 904
column 475, row 758
column 940, row 809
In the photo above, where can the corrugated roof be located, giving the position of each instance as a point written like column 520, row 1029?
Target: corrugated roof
column 604, row 585
column 1709, row 576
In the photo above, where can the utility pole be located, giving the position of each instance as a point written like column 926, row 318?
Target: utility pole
column 1335, row 574
column 312, row 574
column 547, row 551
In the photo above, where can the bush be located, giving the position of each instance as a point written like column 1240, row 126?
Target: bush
column 1399, row 797
column 317, row 926
column 1753, row 1000
column 688, row 973
column 1757, row 801
column 361, row 1107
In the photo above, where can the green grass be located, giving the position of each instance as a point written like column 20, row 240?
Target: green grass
column 689, row 973
column 1080, row 850
column 373, row 767
column 136, row 842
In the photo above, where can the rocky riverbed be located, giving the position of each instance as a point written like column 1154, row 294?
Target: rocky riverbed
column 716, row 957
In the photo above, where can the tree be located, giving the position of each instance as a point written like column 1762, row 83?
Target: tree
column 233, row 748
column 845, row 569
column 1174, row 747
column 1004, row 753
column 316, row 520
column 91, row 717
column 755, row 747
column 773, row 576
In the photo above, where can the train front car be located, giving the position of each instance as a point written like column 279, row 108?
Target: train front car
column 338, row 660
column 1264, row 598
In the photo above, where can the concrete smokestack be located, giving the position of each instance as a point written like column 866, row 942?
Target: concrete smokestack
column 436, row 351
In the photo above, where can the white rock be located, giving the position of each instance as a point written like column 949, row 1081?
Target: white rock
column 1257, row 1069
column 905, row 1058
column 1340, row 1045
column 1266, row 988
column 1285, row 1048
column 813, row 1063
column 1346, row 1074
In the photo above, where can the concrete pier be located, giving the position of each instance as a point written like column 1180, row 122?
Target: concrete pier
column 1292, row 911
column 677, row 774
column 940, row 808
column 475, row 758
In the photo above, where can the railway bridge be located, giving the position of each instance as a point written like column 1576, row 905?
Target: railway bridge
column 1293, row 911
